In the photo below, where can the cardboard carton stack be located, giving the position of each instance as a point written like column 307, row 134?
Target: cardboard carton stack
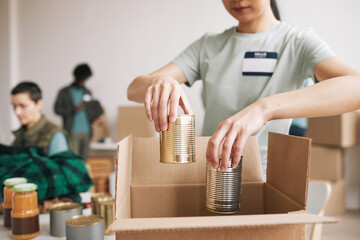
column 331, row 135
column 100, row 169
column 167, row 201
column 132, row 120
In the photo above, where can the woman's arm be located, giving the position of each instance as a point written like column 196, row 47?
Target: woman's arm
column 337, row 92
column 158, row 90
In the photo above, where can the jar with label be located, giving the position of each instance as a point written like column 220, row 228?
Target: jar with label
column 8, row 192
column 25, row 212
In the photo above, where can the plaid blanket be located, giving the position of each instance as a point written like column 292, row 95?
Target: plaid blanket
column 61, row 174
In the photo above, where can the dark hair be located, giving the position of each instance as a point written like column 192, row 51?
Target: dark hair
column 275, row 9
column 28, row 87
column 82, row 72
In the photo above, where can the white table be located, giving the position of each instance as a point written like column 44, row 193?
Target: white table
column 44, row 220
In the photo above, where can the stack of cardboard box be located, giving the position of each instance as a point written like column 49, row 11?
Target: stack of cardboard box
column 100, row 169
column 331, row 136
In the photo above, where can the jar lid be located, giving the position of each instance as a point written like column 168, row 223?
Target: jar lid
column 14, row 181
column 83, row 220
column 26, row 187
column 99, row 195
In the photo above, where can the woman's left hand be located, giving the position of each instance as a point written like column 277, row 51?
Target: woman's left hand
column 233, row 133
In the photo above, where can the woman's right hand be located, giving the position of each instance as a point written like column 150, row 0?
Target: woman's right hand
column 163, row 91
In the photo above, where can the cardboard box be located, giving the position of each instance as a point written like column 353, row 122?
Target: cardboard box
column 337, row 201
column 100, row 169
column 338, row 131
column 99, row 129
column 327, row 163
column 167, row 201
column 132, row 120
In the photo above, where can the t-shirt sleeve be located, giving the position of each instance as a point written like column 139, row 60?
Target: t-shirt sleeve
column 312, row 51
column 58, row 144
column 189, row 61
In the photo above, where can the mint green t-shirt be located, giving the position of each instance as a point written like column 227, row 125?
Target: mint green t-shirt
column 237, row 69
column 81, row 123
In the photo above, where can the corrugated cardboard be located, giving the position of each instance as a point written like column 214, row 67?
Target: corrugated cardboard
column 326, row 163
column 338, row 131
column 132, row 120
column 100, row 131
column 167, row 201
column 337, row 200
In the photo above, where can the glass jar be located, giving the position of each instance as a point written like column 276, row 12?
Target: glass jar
column 25, row 212
column 9, row 183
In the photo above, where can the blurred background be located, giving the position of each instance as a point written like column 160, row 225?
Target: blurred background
column 42, row 41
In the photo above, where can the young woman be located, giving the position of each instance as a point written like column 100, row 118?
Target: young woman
column 252, row 75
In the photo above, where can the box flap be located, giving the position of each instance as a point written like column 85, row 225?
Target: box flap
column 288, row 165
column 123, row 168
column 147, row 169
column 215, row 222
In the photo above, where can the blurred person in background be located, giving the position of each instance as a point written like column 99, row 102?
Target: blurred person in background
column 35, row 130
column 71, row 105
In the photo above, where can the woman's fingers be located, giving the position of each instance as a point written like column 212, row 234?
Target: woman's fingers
column 154, row 107
column 213, row 147
column 185, row 104
column 174, row 104
column 238, row 148
column 165, row 91
column 147, row 103
column 227, row 148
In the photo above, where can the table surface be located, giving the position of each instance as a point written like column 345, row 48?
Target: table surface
column 44, row 220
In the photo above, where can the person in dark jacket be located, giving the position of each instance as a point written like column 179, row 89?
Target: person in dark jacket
column 35, row 130
column 71, row 106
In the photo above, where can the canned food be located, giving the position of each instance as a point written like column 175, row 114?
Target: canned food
column 83, row 227
column 177, row 144
column 59, row 213
column 223, row 189
column 94, row 198
column 107, row 212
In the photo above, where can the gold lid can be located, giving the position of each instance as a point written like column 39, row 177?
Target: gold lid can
column 106, row 210
column 84, row 220
column 65, row 207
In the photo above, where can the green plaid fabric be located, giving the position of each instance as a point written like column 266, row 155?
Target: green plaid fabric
column 61, row 174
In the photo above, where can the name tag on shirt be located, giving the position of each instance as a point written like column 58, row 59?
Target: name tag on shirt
column 259, row 63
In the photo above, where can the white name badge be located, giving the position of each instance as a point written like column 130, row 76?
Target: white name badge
column 259, row 63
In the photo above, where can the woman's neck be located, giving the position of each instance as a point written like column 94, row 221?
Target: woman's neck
column 257, row 25
column 34, row 122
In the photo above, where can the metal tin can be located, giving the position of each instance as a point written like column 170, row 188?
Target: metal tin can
column 94, row 198
column 177, row 144
column 59, row 213
column 83, row 227
column 223, row 189
column 107, row 212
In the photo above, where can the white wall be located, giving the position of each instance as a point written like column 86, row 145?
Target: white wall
column 120, row 39
column 4, row 71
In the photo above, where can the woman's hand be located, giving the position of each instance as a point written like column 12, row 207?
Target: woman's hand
column 163, row 91
column 233, row 133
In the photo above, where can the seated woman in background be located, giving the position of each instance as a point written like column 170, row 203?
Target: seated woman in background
column 36, row 130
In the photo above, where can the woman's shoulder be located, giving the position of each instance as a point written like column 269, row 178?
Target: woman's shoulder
column 295, row 32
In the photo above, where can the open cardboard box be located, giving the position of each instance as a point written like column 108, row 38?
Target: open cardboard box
column 167, row 201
